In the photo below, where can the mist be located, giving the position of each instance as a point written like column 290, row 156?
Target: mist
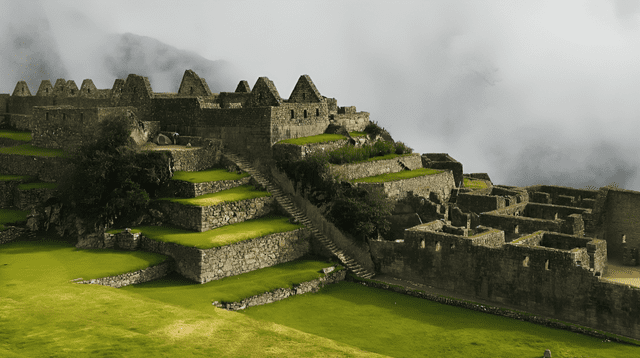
column 538, row 92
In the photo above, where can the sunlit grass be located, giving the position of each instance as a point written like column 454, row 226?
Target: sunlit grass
column 28, row 149
column 174, row 288
column 243, row 192
column 45, row 315
column 321, row 138
column 207, row 176
column 14, row 177
column 474, row 184
column 221, row 236
column 9, row 216
column 16, row 135
column 403, row 326
column 404, row 174
column 30, row 186
column 356, row 134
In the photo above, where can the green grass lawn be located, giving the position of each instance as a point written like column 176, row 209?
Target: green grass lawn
column 243, row 192
column 474, row 184
column 30, row 186
column 207, row 176
column 321, row 138
column 383, row 157
column 15, row 135
column 28, row 149
column 173, row 289
column 221, row 236
column 9, row 216
column 397, row 325
column 357, row 134
column 405, row 174
column 14, row 177
column 45, row 315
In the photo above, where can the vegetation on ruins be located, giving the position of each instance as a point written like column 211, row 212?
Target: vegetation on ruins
column 207, row 175
column 320, row 138
column 173, row 288
column 405, row 174
column 112, row 182
column 28, row 149
column 243, row 192
column 357, row 134
column 221, row 236
column 375, row 151
column 15, row 135
column 5, row 177
column 30, row 186
column 9, row 216
column 474, row 184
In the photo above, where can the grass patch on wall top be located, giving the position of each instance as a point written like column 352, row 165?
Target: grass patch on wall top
column 320, row 138
column 357, row 134
column 405, row 174
column 14, row 177
column 28, row 149
column 243, row 192
column 16, row 135
column 207, row 176
column 173, row 288
column 474, row 184
column 10, row 216
column 221, row 236
column 30, row 186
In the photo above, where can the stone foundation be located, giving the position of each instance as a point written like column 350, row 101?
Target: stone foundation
column 132, row 278
column 184, row 189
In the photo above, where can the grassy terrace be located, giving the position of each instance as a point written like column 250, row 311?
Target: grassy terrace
column 8, row 216
column 474, row 184
column 30, row 186
column 174, row 288
column 15, row 135
column 357, row 134
column 243, row 192
column 221, row 236
column 14, row 177
column 382, row 157
column 207, row 176
column 28, row 149
column 321, row 138
column 405, row 174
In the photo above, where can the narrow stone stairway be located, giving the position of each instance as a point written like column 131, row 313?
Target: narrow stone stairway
column 286, row 203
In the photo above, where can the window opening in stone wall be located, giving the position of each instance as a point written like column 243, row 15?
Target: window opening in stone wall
column 82, row 116
column 292, row 114
column 304, row 96
column 624, row 239
column 64, row 116
column 46, row 90
column 555, row 217
column 546, row 265
column 317, row 112
column 89, row 90
column 422, row 244
column 73, row 91
column 46, row 115
column 305, row 113
column 190, row 90
column 525, row 263
column 438, row 246
column 453, row 246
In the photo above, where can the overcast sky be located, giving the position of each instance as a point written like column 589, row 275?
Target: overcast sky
column 528, row 91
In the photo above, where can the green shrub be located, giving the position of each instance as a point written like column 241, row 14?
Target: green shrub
column 373, row 129
column 362, row 212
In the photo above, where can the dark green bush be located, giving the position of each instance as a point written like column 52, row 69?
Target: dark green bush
column 373, row 129
column 401, row 148
column 363, row 213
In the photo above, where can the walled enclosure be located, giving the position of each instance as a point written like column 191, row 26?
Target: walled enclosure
column 621, row 220
column 540, row 280
column 508, row 219
column 489, row 199
column 444, row 161
column 441, row 184
column 212, row 264
column 368, row 169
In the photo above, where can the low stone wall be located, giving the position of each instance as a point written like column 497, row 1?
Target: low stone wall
column 369, row 169
column 184, row 189
column 230, row 260
column 352, row 121
column 204, row 218
column 48, row 169
column 282, row 293
column 132, row 278
column 21, row 122
column 7, row 190
column 441, row 184
column 11, row 234
column 27, row 199
column 191, row 159
column 293, row 152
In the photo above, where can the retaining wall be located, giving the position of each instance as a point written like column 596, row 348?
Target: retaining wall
column 132, row 278
column 244, row 256
column 11, row 233
column 294, row 152
column 48, row 169
column 184, row 189
column 441, row 184
column 369, row 169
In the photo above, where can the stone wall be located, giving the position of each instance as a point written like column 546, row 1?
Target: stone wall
column 27, row 199
column 472, row 202
column 7, row 192
column 282, row 293
column 21, row 122
column 204, row 218
column 356, row 121
column 48, row 169
column 444, row 161
column 540, row 280
column 284, row 125
column 441, row 184
column 621, row 217
column 133, row 278
column 549, row 212
column 184, row 189
column 293, row 152
column 11, row 233
column 244, row 256
column 368, row 169
column 195, row 158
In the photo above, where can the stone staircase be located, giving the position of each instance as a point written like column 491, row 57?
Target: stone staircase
column 286, row 203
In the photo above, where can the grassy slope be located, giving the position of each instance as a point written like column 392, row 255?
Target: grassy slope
column 15, row 135
column 398, row 325
column 173, row 289
column 207, row 175
column 45, row 315
column 28, row 149
column 405, row 174
column 243, row 192
column 321, row 138
column 221, row 236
